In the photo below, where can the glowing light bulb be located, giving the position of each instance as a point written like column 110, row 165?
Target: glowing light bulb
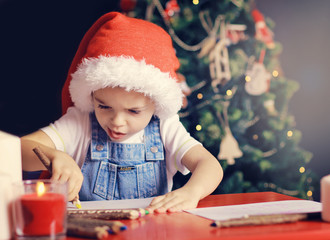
column 200, row 96
column 301, row 169
column 275, row 73
column 229, row 92
column 198, row 127
column 195, row 2
column 309, row 193
column 247, row 78
column 289, row 133
column 40, row 188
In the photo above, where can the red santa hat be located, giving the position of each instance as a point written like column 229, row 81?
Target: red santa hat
column 119, row 51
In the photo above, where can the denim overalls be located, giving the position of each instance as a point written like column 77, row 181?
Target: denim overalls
column 124, row 171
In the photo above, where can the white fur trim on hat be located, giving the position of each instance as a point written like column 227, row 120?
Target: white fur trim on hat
column 132, row 75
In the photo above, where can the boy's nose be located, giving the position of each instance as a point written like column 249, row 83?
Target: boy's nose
column 117, row 119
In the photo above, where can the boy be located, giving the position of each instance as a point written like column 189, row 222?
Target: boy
column 120, row 136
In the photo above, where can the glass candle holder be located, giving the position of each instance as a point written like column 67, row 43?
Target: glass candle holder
column 39, row 209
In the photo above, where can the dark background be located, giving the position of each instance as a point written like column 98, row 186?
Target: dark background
column 39, row 39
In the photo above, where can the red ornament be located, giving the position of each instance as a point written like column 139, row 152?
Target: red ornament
column 127, row 5
column 263, row 33
column 172, row 7
column 235, row 33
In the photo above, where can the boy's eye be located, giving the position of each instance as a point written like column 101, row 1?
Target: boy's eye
column 103, row 106
column 134, row 111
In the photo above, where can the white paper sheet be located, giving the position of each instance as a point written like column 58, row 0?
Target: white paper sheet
column 112, row 204
column 265, row 208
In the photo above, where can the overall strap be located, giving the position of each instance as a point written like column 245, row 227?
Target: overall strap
column 153, row 142
column 99, row 141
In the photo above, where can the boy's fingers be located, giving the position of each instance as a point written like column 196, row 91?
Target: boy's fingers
column 178, row 207
column 156, row 200
column 71, row 187
column 166, row 202
column 55, row 176
column 159, row 203
column 73, row 191
column 74, row 187
column 160, row 210
column 74, row 184
column 71, row 196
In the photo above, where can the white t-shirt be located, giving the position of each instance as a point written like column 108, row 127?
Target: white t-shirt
column 72, row 134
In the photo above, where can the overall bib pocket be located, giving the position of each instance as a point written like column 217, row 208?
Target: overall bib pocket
column 125, row 182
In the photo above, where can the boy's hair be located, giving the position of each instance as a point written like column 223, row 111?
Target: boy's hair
column 119, row 51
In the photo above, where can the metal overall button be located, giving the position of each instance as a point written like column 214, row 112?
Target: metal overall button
column 99, row 147
column 154, row 149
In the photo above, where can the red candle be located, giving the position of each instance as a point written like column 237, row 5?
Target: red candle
column 38, row 215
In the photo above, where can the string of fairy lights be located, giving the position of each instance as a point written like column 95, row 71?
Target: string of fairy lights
column 227, row 96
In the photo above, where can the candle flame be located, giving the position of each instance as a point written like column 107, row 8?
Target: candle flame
column 40, row 188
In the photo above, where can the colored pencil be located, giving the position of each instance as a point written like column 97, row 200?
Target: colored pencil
column 260, row 220
column 76, row 202
column 142, row 211
column 112, row 226
column 110, row 214
column 43, row 158
column 83, row 232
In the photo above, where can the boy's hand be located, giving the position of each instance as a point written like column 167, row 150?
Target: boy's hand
column 206, row 176
column 174, row 201
column 65, row 169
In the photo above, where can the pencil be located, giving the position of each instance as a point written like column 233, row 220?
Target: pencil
column 142, row 211
column 260, row 220
column 91, row 232
column 76, row 202
column 43, row 158
column 112, row 226
column 48, row 165
column 109, row 214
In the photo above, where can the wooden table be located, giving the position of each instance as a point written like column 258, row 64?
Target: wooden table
column 187, row 226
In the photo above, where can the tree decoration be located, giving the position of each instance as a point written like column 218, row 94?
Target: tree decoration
column 270, row 106
column 127, row 5
column 257, row 77
column 149, row 14
column 229, row 148
column 235, row 33
column 217, row 53
column 219, row 60
column 172, row 8
column 263, row 33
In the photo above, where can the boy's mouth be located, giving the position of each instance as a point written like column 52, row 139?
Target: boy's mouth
column 115, row 135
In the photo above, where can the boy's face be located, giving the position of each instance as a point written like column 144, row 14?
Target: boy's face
column 120, row 113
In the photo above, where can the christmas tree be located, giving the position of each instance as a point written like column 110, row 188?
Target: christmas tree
column 236, row 93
